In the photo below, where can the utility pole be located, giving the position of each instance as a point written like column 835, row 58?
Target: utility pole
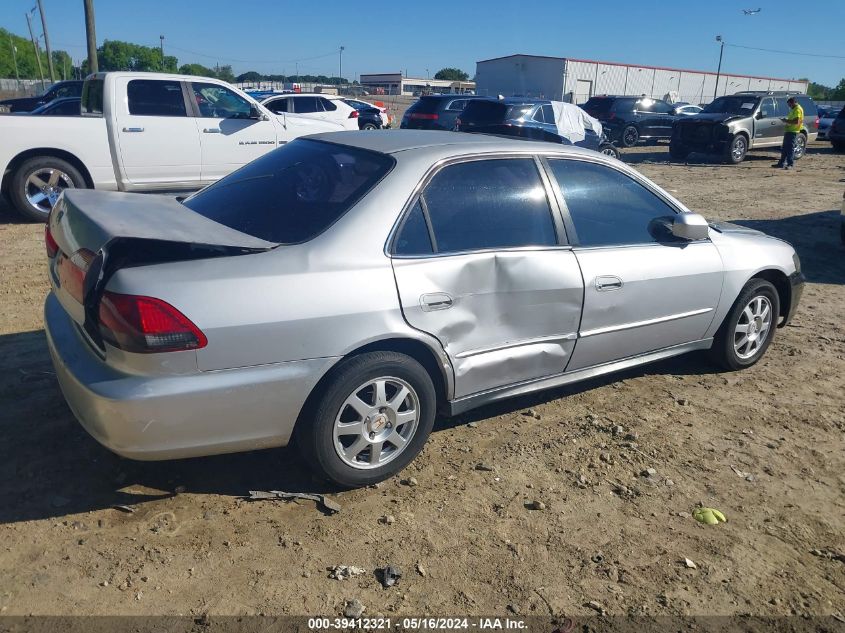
column 35, row 46
column 161, row 45
column 719, row 70
column 15, row 58
column 91, row 36
column 340, row 75
column 47, row 42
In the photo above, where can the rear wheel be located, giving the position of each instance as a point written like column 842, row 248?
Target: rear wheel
column 608, row 149
column 369, row 126
column 748, row 329
column 800, row 146
column 630, row 136
column 38, row 182
column 371, row 419
column 736, row 150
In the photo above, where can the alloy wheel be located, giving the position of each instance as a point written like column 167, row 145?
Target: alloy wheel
column 800, row 146
column 43, row 187
column 753, row 326
column 376, row 422
column 738, row 148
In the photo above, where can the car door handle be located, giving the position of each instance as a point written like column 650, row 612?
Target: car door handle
column 608, row 282
column 435, row 301
column 211, row 130
column 133, row 129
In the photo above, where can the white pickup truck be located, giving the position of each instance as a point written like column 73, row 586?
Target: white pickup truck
column 140, row 132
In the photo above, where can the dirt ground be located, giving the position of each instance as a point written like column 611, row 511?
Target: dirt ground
column 766, row 446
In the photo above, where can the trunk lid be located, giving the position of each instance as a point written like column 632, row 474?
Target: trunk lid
column 98, row 233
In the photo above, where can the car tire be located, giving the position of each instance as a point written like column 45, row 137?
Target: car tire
column 749, row 327
column 369, row 126
column 609, row 149
column 55, row 174
column 678, row 151
column 344, row 454
column 630, row 136
column 736, row 150
column 800, row 149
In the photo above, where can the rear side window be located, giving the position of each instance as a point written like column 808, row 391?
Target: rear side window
column 598, row 104
column 488, row 204
column 484, row 112
column 609, row 208
column 328, row 106
column 808, row 105
column 457, row 106
column 306, row 105
column 92, row 97
column 293, row 193
column 624, row 105
column 277, row 106
column 427, row 105
column 151, row 97
column 413, row 237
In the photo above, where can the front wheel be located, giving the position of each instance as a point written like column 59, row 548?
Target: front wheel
column 749, row 328
column 736, row 150
column 800, row 147
column 630, row 136
column 608, row 149
column 370, row 421
column 38, row 182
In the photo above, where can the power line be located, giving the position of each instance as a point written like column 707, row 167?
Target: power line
column 772, row 50
column 253, row 61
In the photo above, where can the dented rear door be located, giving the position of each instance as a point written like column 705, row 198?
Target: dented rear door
column 492, row 280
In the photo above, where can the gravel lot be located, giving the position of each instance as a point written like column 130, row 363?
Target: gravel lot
column 766, row 446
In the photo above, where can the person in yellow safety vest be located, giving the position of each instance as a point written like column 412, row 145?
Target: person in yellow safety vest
column 794, row 122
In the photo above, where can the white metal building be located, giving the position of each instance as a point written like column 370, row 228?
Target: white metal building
column 397, row 84
column 576, row 80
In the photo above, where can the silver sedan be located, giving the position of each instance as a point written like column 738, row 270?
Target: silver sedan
column 345, row 287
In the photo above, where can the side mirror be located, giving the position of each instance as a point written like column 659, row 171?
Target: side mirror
column 258, row 115
column 690, row 226
column 759, row 115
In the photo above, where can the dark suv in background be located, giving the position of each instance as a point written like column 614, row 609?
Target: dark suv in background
column 731, row 125
column 56, row 91
column 435, row 112
column 628, row 120
column 836, row 134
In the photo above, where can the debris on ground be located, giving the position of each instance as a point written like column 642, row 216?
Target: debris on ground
column 689, row 564
column 531, row 413
column 354, row 608
column 829, row 553
column 342, row 572
column 410, row 481
column 535, row 505
column 421, row 570
column 708, row 516
column 595, row 606
column 484, row 467
column 329, row 505
column 124, row 508
column 387, row 519
column 389, row 576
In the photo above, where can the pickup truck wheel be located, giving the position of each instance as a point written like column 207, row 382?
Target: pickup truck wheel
column 370, row 420
column 736, row 150
column 37, row 184
column 630, row 136
column 800, row 147
column 749, row 327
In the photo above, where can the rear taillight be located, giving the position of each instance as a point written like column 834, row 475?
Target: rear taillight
column 146, row 325
column 353, row 114
column 424, row 116
column 50, row 242
column 71, row 272
column 816, row 124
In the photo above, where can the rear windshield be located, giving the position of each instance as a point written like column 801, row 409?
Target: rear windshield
column 484, row 112
column 294, row 193
column 732, row 105
column 428, row 105
column 92, row 97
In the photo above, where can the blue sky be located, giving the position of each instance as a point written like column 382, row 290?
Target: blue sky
column 268, row 36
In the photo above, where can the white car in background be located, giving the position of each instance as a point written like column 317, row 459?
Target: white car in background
column 330, row 108
column 687, row 109
column 386, row 119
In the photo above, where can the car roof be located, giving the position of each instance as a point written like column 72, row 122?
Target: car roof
column 452, row 143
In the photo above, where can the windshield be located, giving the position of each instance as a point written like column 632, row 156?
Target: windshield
column 732, row 105
column 294, row 193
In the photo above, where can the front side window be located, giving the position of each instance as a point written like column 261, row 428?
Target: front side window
column 218, row 102
column 767, row 108
column 661, row 107
column 277, row 106
column 154, row 97
column 488, row 204
column 293, row 193
column 609, row 208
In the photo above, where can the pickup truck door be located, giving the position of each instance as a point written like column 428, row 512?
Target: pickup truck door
column 157, row 141
column 229, row 137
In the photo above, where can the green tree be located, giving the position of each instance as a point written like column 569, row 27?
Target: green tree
column 25, row 54
column 451, row 74
column 196, row 69
column 249, row 76
column 117, row 55
column 225, row 73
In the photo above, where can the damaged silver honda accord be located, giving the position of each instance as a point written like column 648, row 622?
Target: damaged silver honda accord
column 343, row 288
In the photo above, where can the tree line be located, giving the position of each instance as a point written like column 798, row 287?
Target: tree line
column 820, row 92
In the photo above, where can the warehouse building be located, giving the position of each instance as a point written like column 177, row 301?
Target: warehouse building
column 398, row 84
column 576, row 80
